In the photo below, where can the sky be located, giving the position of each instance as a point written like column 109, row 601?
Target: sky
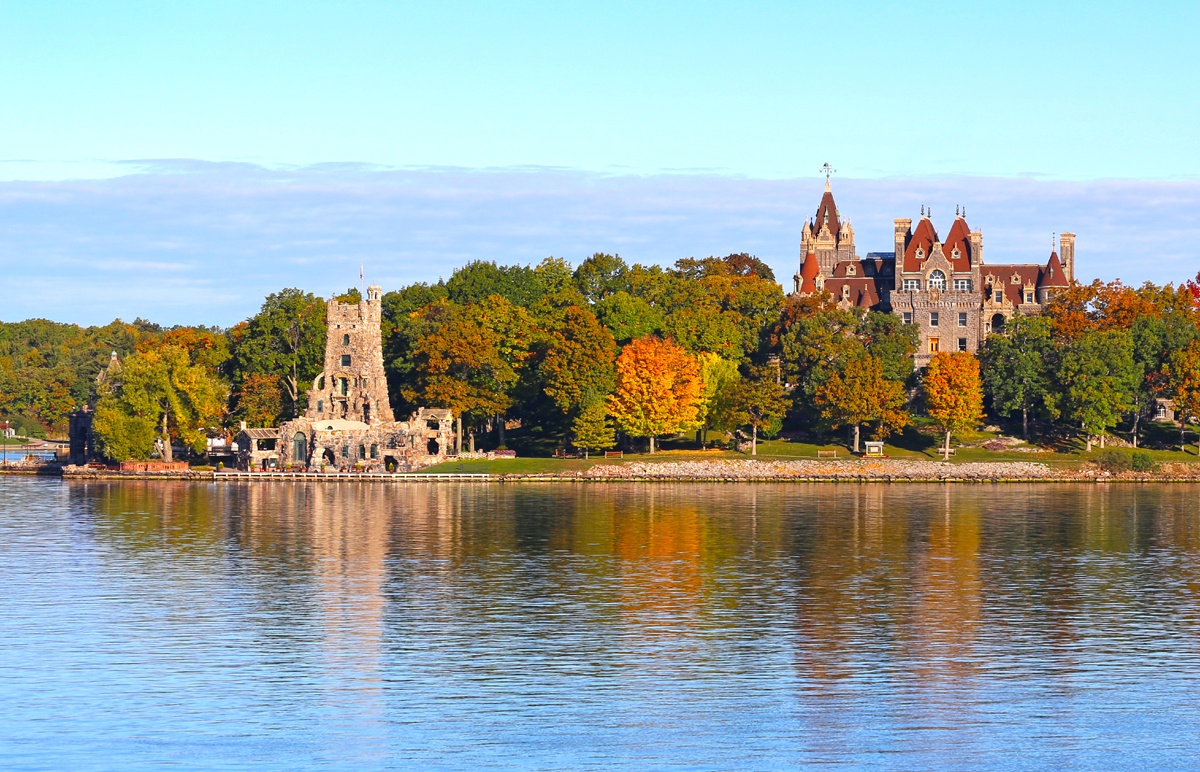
column 177, row 161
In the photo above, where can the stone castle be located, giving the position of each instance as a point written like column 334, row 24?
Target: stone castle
column 941, row 285
column 349, row 422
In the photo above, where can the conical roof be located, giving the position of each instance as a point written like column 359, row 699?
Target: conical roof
column 808, row 273
column 1053, row 274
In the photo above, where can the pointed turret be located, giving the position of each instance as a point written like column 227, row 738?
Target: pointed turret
column 827, row 213
column 809, row 272
column 1053, row 274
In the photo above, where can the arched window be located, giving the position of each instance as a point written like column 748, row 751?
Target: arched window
column 300, row 448
column 937, row 280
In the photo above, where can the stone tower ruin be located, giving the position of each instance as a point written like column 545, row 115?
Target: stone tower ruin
column 352, row 386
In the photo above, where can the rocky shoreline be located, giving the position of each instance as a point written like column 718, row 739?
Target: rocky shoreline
column 849, row 470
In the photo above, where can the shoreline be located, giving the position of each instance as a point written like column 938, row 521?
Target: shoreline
column 724, row 471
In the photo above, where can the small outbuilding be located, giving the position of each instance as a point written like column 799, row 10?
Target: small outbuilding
column 874, row 449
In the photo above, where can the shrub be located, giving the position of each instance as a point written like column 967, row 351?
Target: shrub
column 1143, row 462
column 1114, row 461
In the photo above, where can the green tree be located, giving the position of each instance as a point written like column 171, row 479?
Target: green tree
column 1098, row 377
column 285, row 338
column 163, row 387
column 718, row 411
column 760, row 398
column 576, row 361
column 1016, row 367
column 592, row 430
column 600, row 276
column 119, row 435
column 628, row 317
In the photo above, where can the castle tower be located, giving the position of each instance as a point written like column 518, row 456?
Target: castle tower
column 827, row 236
column 352, row 386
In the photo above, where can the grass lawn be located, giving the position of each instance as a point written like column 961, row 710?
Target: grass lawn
column 911, row 445
column 13, row 441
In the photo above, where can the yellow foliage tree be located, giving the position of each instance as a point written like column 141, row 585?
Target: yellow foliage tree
column 1184, row 370
column 954, row 393
column 659, row 389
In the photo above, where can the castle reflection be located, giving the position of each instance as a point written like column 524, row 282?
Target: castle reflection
column 913, row 586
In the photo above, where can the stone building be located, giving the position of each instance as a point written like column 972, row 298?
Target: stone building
column 349, row 422
column 941, row 285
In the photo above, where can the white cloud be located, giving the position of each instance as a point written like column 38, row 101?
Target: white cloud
column 90, row 250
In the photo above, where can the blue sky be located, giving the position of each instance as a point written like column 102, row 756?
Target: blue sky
column 228, row 115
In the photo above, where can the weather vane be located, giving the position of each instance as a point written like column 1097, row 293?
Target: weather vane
column 829, row 170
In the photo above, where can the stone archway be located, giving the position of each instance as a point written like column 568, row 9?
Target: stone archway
column 300, row 448
column 998, row 322
column 328, row 457
column 432, row 447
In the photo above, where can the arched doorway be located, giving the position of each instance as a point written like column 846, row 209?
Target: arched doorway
column 998, row 323
column 330, row 460
column 432, row 447
column 300, row 448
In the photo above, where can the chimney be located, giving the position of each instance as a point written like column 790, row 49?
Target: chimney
column 1066, row 254
column 903, row 231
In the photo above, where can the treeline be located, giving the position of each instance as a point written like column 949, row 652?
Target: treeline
column 709, row 347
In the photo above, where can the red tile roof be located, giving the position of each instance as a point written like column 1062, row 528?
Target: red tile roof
column 959, row 238
column 829, row 208
column 862, row 291
column 922, row 238
column 1053, row 275
column 808, row 273
column 1028, row 275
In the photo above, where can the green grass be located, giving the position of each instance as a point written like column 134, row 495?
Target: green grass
column 912, row 444
column 14, row 441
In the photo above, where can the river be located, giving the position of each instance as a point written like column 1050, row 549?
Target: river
column 630, row 626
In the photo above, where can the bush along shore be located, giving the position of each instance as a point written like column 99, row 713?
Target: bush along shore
column 850, row 470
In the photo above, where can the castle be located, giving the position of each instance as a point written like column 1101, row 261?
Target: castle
column 941, row 285
column 349, row 422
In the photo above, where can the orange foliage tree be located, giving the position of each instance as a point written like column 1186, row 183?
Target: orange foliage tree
column 659, row 389
column 953, row 393
column 1184, row 371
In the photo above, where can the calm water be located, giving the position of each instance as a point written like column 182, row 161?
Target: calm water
column 442, row 626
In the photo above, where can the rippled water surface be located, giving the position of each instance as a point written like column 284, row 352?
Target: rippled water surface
column 445, row 626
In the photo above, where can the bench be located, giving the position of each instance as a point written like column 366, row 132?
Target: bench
column 826, row 454
column 614, row 454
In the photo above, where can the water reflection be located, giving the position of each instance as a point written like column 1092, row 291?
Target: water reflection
column 370, row 625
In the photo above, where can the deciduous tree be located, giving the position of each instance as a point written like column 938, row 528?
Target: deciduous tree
column 659, row 389
column 1184, row 373
column 1098, row 376
column 285, row 338
column 760, row 398
column 592, row 430
column 162, row 386
column 858, row 392
column 953, row 393
column 1016, row 367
